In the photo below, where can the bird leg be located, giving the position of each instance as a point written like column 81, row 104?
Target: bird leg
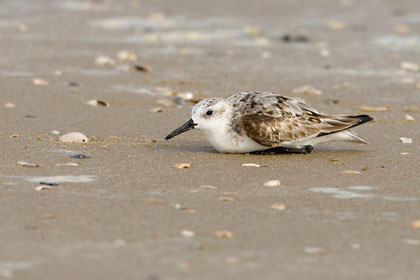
column 284, row 150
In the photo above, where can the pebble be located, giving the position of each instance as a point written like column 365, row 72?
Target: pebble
column 74, row 137
column 156, row 110
column 187, row 233
column 272, row 183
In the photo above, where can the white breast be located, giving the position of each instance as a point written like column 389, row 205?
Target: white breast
column 229, row 142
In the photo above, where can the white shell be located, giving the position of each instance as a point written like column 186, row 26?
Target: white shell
column 74, row 137
column 126, row 56
column 405, row 140
column 104, row 61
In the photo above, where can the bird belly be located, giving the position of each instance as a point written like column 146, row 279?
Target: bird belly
column 233, row 143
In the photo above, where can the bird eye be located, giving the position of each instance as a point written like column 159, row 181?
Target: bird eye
column 209, row 113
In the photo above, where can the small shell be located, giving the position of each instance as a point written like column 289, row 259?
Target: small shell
column 133, row 67
column 10, row 105
column 278, row 206
column 183, row 165
column 187, row 233
column 41, row 188
column 67, row 164
column 223, row 234
column 410, row 66
column 26, row 164
column 74, row 137
column 315, row 250
column 156, row 110
column 14, row 136
column 409, row 118
column 416, row 224
column 96, row 103
column 373, row 109
column 226, row 199
column 208, row 187
column 186, row 95
column 250, row 165
column 125, row 55
column 40, row 82
column 405, row 140
column 351, row 172
column 104, row 61
column 56, row 132
column 272, row 183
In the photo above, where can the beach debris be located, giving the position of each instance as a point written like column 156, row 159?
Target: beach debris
column 315, row 250
column 409, row 118
column 183, row 165
column 355, row 246
column 373, row 109
column 26, row 164
column 410, row 66
column 104, row 61
column 223, row 234
column 41, row 188
column 404, row 153
column 61, row 179
column 126, row 55
column 351, row 172
column 187, row 233
column 307, row 90
column 183, row 208
column 278, row 206
column 80, row 156
column 325, row 53
column 74, row 137
column 10, row 105
column 187, row 96
column 411, row 241
column 51, row 184
column 402, row 28
column 58, row 72
column 265, row 55
column 96, row 103
column 67, row 164
column 14, row 136
column 40, row 82
column 208, row 187
column 250, row 165
column 133, row 67
column 416, row 224
column 226, row 199
column 272, row 183
column 405, row 140
column 55, row 132
column 336, row 24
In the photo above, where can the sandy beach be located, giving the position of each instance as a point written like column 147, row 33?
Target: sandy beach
column 126, row 211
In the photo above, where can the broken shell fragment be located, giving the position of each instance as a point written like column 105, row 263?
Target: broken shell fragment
column 315, row 250
column 41, row 188
column 351, row 172
column 278, row 206
column 250, row 165
column 405, row 140
column 373, row 109
column 74, row 137
column 104, row 61
column 223, row 234
column 272, row 183
column 409, row 118
column 186, row 95
column 416, row 224
column 156, row 110
column 56, row 132
column 226, row 199
column 307, row 90
column 26, row 164
column 96, row 103
column 133, row 67
column 10, row 105
column 187, row 233
column 183, row 165
column 14, row 136
column 40, row 82
column 410, row 66
column 125, row 55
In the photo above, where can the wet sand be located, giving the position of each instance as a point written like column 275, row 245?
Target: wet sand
column 137, row 216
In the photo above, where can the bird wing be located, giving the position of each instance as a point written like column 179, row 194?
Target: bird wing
column 271, row 119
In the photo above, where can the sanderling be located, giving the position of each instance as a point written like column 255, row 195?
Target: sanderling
column 266, row 122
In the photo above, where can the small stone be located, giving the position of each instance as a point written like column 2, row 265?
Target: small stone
column 40, row 82
column 104, row 61
column 125, row 55
column 187, row 96
column 74, row 137
column 187, row 233
column 223, row 234
column 278, row 206
column 183, row 165
column 405, row 140
column 272, row 183
column 410, row 66
column 250, row 165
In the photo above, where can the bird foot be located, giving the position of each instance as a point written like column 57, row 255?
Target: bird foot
column 284, row 150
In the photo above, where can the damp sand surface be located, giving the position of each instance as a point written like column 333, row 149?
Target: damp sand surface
column 129, row 205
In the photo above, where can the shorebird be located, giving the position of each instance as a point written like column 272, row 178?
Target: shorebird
column 266, row 122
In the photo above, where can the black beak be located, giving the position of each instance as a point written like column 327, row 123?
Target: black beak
column 185, row 127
